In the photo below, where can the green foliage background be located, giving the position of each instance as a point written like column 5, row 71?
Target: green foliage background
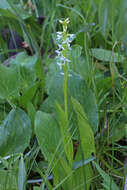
column 37, row 140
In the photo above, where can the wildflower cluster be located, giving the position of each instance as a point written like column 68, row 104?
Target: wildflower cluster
column 64, row 39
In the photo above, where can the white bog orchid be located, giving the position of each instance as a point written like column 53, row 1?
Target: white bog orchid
column 64, row 39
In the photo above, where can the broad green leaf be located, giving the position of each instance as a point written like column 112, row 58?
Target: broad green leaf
column 19, row 78
column 48, row 134
column 9, row 82
column 26, row 67
column 15, row 132
column 79, row 63
column 74, row 56
column 78, row 89
column 87, row 147
column 108, row 182
column 47, row 105
column 21, row 174
column 106, row 55
column 65, row 134
column 86, row 133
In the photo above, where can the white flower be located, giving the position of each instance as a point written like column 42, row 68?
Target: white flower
column 59, row 35
column 63, row 44
column 60, row 47
column 66, row 21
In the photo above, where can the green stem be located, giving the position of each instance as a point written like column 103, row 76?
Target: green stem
column 65, row 89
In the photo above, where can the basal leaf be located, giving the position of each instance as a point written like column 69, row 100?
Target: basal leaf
column 15, row 132
column 25, row 65
column 78, row 89
column 86, row 133
column 48, row 133
column 86, row 139
column 107, row 55
column 9, row 82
